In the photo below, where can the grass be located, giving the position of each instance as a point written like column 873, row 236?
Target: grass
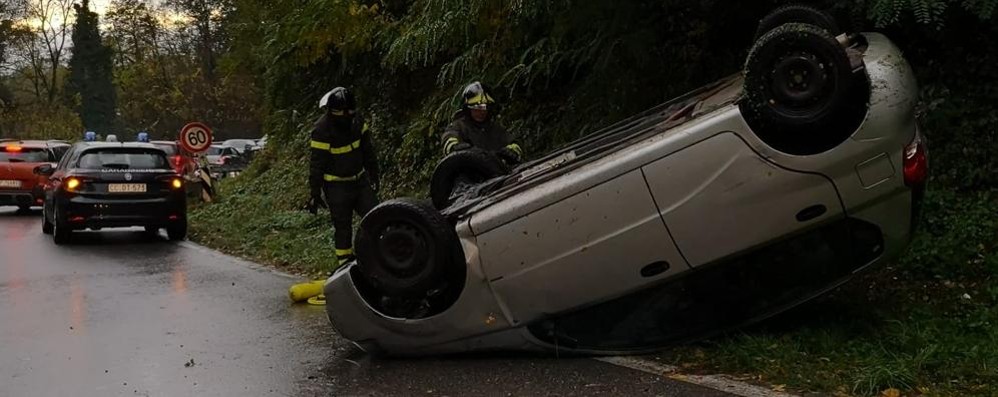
column 919, row 338
column 927, row 325
column 260, row 216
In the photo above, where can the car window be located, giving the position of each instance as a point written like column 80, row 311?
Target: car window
column 214, row 151
column 170, row 149
column 123, row 158
column 65, row 158
column 59, row 152
column 18, row 154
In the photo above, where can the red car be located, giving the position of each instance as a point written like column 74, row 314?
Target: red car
column 18, row 184
column 181, row 161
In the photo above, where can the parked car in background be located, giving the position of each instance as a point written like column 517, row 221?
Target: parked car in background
column 104, row 185
column 180, row 160
column 241, row 145
column 219, row 155
column 18, row 184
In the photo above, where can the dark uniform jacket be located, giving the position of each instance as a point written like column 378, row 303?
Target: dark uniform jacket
column 341, row 154
column 488, row 136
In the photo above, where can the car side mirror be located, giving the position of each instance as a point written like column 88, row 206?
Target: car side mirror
column 44, row 170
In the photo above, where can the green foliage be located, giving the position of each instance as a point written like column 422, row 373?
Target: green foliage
column 260, row 216
column 90, row 76
column 928, row 12
column 908, row 336
column 958, row 237
column 39, row 121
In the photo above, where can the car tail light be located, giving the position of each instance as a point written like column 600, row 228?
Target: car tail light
column 73, row 184
column 916, row 163
column 13, row 148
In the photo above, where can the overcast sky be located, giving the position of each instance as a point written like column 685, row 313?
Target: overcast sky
column 99, row 5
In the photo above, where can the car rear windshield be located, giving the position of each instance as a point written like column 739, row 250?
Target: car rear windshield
column 169, row 148
column 214, row 151
column 123, row 158
column 17, row 154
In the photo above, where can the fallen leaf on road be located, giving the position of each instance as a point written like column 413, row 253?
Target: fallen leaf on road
column 780, row 388
column 892, row 392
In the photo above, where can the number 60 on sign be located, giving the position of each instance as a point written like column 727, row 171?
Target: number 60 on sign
column 195, row 137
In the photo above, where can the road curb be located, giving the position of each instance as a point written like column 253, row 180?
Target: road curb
column 722, row 383
column 238, row 260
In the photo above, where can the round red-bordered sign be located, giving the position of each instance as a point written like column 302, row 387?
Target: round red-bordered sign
column 195, row 137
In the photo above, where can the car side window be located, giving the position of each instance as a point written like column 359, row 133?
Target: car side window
column 66, row 158
column 60, row 152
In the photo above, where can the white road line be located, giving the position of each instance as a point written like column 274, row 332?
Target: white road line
column 717, row 382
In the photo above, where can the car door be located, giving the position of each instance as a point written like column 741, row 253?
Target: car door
column 590, row 246
column 721, row 199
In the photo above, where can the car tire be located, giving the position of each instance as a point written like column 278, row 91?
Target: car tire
column 801, row 94
column 61, row 233
column 801, row 13
column 46, row 225
column 461, row 169
column 405, row 248
column 178, row 231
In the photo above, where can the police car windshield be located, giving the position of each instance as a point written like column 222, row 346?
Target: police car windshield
column 123, row 158
column 169, row 148
column 23, row 155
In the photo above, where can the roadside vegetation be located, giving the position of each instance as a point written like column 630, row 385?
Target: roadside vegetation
column 926, row 325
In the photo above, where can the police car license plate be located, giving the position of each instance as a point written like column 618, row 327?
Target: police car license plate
column 126, row 188
column 10, row 184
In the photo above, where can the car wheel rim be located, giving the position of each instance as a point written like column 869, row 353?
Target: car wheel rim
column 799, row 80
column 404, row 249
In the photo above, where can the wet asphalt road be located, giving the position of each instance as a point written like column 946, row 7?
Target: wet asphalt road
column 119, row 314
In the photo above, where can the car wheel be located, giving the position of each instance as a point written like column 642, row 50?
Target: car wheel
column 801, row 95
column 801, row 13
column 61, row 233
column 461, row 170
column 178, row 231
column 406, row 248
column 46, row 225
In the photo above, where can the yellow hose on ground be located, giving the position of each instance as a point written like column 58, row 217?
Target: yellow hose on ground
column 302, row 292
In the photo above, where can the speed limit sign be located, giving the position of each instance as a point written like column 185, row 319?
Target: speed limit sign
column 195, row 137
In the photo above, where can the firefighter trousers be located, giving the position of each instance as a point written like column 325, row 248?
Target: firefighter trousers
column 344, row 200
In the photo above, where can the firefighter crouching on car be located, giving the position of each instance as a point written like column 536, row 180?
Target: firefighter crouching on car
column 344, row 167
column 474, row 126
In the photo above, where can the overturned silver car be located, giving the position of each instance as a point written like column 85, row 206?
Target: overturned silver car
column 730, row 204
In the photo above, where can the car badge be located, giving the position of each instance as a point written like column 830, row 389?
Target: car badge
column 128, row 176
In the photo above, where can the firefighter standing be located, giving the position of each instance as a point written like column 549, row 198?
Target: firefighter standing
column 475, row 126
column 344, row 167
